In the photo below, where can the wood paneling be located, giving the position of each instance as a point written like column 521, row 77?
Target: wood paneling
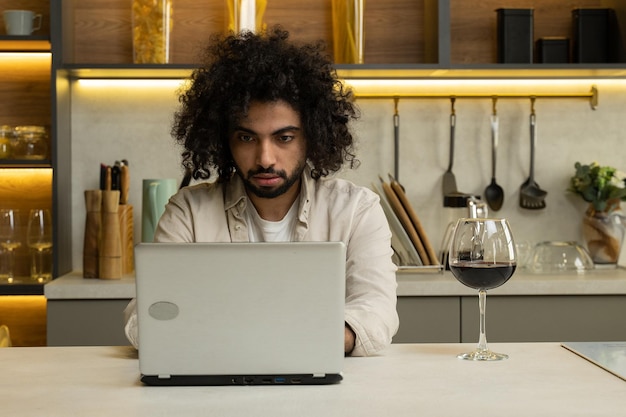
column 25, row 316
column 102, row 28
column 25, row 90
column 473, row 26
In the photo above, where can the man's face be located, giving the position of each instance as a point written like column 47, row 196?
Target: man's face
column 269, row 148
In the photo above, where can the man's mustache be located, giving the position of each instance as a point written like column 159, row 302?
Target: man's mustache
column 269, row 170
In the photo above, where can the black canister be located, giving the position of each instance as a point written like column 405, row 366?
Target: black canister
column 515, row 36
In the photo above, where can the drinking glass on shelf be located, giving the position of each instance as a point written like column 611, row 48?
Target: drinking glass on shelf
column 9, row 241
column 39, row 239
column 482, row 256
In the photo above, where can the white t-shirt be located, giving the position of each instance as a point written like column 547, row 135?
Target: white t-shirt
column 261, row 230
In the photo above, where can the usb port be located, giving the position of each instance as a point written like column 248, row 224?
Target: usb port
column 248, row 380
column 296, row 380
column 279, row 380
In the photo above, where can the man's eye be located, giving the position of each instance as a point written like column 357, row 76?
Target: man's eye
column 286, row 138
column 246, row 138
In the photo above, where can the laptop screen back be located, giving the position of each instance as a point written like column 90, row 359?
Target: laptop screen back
column 240, row 310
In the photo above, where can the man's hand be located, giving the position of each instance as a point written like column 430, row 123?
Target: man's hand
column 350, row 338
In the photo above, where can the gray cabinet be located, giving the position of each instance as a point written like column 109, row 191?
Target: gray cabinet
column 86, row 322
column 547, row 318
column 428, row 320
column 513, row 318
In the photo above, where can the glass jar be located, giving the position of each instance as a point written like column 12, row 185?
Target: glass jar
column 31, row 142
column 152, row 24
column 347, row 17
column 6, row 141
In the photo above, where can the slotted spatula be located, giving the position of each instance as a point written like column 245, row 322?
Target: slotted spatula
column 531, row 195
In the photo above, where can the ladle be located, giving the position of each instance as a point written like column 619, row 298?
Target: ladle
column 494, row 194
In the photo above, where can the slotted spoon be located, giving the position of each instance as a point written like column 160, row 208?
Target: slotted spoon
column 531, row 195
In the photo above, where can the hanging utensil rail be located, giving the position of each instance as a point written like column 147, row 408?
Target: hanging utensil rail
column 592, row 96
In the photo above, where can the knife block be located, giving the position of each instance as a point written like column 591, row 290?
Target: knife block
column 110, row 253
column 125, row 215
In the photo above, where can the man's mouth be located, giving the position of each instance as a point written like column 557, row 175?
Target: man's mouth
column 267, row 180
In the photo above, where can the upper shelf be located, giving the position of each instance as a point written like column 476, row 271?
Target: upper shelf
column 377, row 72
column 33, row 43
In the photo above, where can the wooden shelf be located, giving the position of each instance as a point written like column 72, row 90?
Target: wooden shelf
column 24, row 43
column 25, row 163
column 20, row 288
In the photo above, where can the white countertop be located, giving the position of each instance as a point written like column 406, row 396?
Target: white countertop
column 74, row 287
column 596, row 282
column 539, row 379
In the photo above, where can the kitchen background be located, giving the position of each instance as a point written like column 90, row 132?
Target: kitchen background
column 97, row 121
column 111, row 121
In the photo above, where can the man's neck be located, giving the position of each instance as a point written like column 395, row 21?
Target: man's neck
column 275, row 209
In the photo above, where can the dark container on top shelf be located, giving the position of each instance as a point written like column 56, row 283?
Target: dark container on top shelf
column 595, row 36
column 515, row 36
column 553, row 51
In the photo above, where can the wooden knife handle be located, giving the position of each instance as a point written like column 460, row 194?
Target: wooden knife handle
column 108, row 179
column 124, row 184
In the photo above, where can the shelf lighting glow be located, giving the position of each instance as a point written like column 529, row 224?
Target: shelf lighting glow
column 436, row 87
column 414, row 87
column 170, row 83
column 25, row 55
column 25, row 63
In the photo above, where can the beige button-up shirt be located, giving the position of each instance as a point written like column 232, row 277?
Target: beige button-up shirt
column 329, row 210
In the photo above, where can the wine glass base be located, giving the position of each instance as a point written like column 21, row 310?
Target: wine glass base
column 482, row 355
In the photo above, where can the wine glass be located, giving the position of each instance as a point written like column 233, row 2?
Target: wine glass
column 482, row 256
column 39, row 239
column 9, row 241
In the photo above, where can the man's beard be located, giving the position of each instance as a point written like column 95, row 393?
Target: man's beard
column 264, row 192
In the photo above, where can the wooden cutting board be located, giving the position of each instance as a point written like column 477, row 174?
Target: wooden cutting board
column 398, row 208
column 417, row 224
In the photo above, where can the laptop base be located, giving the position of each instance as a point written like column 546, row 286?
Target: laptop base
column 205, row 380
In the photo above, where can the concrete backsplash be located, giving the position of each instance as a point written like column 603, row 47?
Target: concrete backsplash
column 110, row 123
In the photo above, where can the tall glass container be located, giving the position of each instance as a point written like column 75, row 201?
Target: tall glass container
column 245, row 15
column 152, row 25
column 348, row 31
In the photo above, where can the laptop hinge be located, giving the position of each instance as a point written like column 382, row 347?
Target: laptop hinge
column 319, row 375
column 164, row 376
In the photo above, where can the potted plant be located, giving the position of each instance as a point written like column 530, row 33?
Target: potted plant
column 604, row 188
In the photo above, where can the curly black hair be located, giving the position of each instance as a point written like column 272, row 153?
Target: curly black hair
column 244, row 67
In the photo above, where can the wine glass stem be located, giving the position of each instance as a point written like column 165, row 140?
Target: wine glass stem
column 482, row 305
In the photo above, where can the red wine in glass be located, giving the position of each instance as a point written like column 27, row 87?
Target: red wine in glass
column 483, row 275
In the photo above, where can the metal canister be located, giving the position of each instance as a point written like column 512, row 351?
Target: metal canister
column 31, row 142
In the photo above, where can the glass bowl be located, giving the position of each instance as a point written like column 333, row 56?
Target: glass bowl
column 557, row 257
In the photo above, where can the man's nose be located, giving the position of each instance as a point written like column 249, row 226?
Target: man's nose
column 265, row 154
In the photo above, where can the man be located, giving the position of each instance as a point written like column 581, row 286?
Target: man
column 270, row 119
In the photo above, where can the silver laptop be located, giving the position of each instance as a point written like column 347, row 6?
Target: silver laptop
column 240, row 313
